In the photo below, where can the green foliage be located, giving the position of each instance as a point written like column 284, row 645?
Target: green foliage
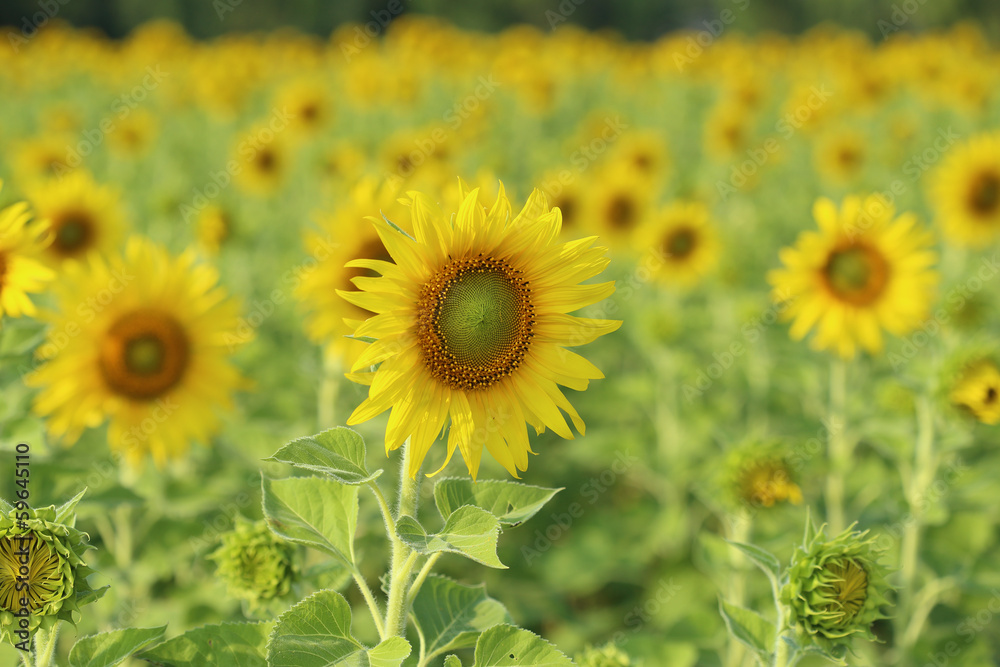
column 510, row 502
column 111, row 648
column 469, row 531
column 451, row 616
column 508, row 646
column 317, row 512
column 338, row 453
column 222, row 645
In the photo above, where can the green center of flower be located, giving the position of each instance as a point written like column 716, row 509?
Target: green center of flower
column 28, row 563
column 846, row 591
column 857, row 274
column 474, row 322
column 73, row 233
column 681, row 242
column 144, row 354
column 984, row 195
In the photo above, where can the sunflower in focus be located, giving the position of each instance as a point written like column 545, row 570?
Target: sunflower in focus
column 471, row 327
column 863, row 272
column 966, row 192
column 83, row 216
column 151, row 354
column 685, row 239
column 21, row 272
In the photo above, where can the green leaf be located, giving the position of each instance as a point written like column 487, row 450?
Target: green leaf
column 469, row 531
column 748, row 627
column 314, row 511
column 110, row 648
column 511, row 502
column 451, row 616
column 64, row 513
column 508, row 646
column 317, row 633
column 763, row 559
column 5, row 507
column 338, row 452
column 223, row 645
column 452, row 661
column 18, row 337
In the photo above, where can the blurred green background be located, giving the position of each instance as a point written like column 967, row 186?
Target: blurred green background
column 635, row 19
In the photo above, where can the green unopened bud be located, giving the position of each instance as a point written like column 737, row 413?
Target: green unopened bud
column 835, row 590
column 256, row 564
column 43, row 578
column 605, row 656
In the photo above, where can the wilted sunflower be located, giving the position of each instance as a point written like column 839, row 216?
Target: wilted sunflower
column 83, row 216
column 863, row 272
column 686, row 240
column 472, row 325
column 150, row 355
column 21, row 273
column 978, row 391
column 966, row 192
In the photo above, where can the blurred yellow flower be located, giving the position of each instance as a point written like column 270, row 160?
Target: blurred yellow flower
column 21, row 272
column 966, row 192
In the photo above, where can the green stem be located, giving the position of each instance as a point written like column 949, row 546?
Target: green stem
column 402, row 556
column 123, row 536
column 326, row 399
column 421, row 576
column 372, row 603
column 740, row 528
column 45, row 645
column 780, row 652
column 839, row 447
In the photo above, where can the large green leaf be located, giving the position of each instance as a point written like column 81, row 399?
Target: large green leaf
column 451, row 616
column 469, row 531
column 338, row 452
column 317, row 633
column 110, row 648
column 224, row 645
column 749, row 627
column 314, row 511
column 511, row 502
column 508, row 646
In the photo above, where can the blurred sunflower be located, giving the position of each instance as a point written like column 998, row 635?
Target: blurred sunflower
column 134, row 134
column 840, row 156
column 864, row 271
column 214, row 227
column 265, row 160
column 966, row 192
column 84, row 217
column 472, row 324
column 685, row 238
column 645, row 152
column 727, row 131
column 308, row 105
column 43, row 157
column 569, row 197
column 151, row 353
column 21, row 272
column 978, row 391
column 617, row 205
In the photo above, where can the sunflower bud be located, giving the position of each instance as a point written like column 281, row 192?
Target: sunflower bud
column 760, row 475
column 47, row 556
column 608, row 655
column 835, row 590
column 256, row 564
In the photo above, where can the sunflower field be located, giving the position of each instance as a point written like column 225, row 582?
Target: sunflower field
column 413, row 345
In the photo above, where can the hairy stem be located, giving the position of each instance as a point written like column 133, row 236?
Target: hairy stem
column 45, row 645
column 402, row 556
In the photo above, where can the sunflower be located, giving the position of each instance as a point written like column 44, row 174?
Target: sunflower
column 686, row 239
column 966, row 192
column 645, row 152
column 150, row 355
column 134, row 134
column 264, row 159
column 308, row 105
column 472, row 325
column 840, row 156
column 84, row 217
column 44, row 157
column 864, row 271
column 21, row 272
column 617, row 205
column 978, row 391
column 214, row 226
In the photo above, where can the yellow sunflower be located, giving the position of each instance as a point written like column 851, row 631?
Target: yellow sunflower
column 134, row 134
column 864, row 271
column 308, row 104
column 686, row 239
column 472, row 326
column 214, row 226
column 966, row 192
column 617, row 205
column 264, row 160
column 84, row 217
column 840, row 156
column 978, row 391
column 149, row 353
column 21, row 273
column 44, row 157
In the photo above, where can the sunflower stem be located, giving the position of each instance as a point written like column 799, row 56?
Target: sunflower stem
column 839, row 447
column 403, row 557
column 421, row 577
column 45, row 645
column 740, row 527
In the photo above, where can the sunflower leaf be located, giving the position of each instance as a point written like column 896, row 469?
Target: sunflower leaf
column 314, row 511
column 451, row 616
column 64, row 513
column 762, row 559
column 506, row 646
column 510, row 502
column 223, row 645
column 749, row 628
column 469, row 531
column 452, row 661
column 316, row 632
column 338, row 453
column 110, row 648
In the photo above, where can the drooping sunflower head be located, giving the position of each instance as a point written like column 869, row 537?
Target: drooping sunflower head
column 864, row 272
column 472, row 324
column 21, row 270
column 835, row 589
column 685, row 240
column 256, row 565
column 965, row 192
column 84, row 217
column 42, row 572
column 151, row 354
column 976, row 389
column 760, row 474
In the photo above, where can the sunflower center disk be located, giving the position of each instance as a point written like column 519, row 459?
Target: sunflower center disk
column 856, row 274
column 848, row 591
column 144, row 354
column 42, row 579
column 985, row 194
column 72, row 234
column 474, row 323
column 681, row 243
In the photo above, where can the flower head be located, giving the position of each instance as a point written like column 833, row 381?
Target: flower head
column 977, row 390
column 966, row 191
column 256, row 565
column 835, row 589
column 21, row 271
column 472, row 324
column 760, row 475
